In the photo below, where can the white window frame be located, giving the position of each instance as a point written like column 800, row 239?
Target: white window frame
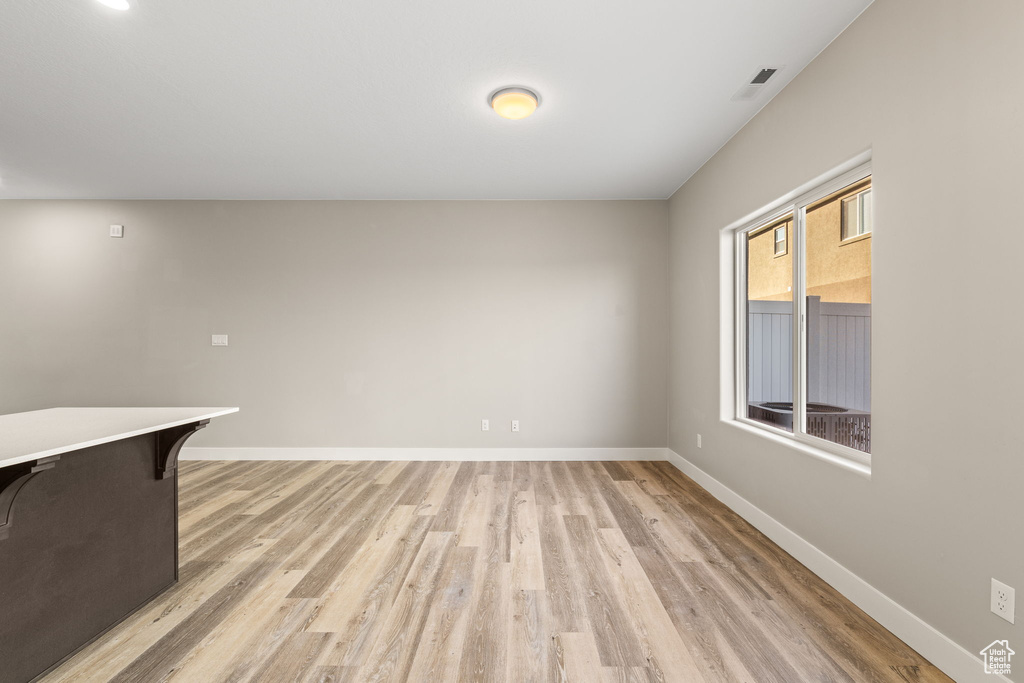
column 861, row 223
column 784, row 241
column 795, row 203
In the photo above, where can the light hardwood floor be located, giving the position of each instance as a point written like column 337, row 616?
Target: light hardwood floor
column 590, row 572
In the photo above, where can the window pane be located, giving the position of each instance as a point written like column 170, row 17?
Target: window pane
column 838, row 330
column 769, row 306
column 865, row 212
column 851, row 217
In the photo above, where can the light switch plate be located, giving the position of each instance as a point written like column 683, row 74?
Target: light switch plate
column 220, row 340
column 117, row 231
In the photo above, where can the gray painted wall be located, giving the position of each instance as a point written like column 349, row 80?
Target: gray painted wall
column 387, row 324
column 928, row 85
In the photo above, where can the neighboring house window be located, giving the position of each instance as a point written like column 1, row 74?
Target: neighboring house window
column 804, row 336
column 780, row 240
column 856, row 215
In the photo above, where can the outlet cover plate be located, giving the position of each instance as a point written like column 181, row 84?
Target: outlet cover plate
column 1002, row 600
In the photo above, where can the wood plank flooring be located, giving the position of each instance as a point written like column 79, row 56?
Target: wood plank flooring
column 497, row 571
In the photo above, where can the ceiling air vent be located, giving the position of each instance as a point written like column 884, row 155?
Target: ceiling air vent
column 762, row 76
column 754, row 86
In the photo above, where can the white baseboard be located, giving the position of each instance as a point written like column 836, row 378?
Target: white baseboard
column 404, row 454
column 955, row 661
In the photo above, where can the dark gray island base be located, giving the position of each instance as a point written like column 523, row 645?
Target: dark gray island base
column 87, row 537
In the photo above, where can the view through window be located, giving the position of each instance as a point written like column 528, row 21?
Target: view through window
column 769, row 325
column 833, row 273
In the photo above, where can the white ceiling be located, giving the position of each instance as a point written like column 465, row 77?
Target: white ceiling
column 378, row 99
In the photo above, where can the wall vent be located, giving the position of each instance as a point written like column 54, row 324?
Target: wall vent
column 762, row 76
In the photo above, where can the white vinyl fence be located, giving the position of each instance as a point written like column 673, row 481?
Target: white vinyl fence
column 769, row 351
column 838, row 352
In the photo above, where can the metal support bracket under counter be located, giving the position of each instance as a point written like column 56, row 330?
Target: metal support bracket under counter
column 88, row 524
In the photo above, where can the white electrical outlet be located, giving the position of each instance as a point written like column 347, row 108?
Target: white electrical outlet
column 220, row 340
column 117, row 231
column 515, row 425
column 485, row 425
column 698, row 441
column 1002, row 600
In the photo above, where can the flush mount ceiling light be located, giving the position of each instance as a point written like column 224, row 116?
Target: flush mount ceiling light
column 121, row 5
column 514, row 103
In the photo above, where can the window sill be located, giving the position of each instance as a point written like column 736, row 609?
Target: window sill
column 860, row 468
column 851, row 240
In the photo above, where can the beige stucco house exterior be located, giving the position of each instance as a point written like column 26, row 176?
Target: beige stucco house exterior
column 838, row 269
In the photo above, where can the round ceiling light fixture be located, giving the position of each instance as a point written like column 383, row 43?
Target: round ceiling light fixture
column 514, row 103
column 120, row 5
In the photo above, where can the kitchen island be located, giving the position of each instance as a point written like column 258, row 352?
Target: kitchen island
column 88, row 524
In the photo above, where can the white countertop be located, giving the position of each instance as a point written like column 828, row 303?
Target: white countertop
column 39, row 433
